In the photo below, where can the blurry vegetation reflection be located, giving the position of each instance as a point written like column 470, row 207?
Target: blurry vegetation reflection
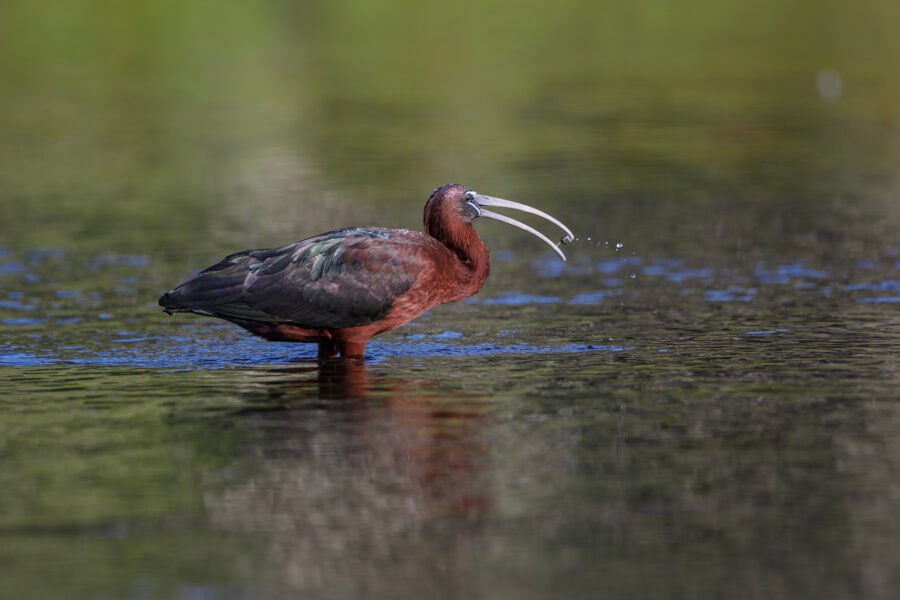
column 139, row 123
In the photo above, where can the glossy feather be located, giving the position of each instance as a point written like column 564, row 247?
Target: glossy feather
column 343, row 278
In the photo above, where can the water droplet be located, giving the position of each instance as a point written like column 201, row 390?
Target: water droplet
column 830, row 85
column 589, row 238
column 619, row 245
column 634, row 275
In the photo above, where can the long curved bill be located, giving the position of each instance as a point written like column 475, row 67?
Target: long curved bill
column 481, row 201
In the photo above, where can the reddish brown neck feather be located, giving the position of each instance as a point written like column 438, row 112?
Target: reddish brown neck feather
column 461, row 239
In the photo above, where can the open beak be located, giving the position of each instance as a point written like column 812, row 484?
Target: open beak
column 481, row 201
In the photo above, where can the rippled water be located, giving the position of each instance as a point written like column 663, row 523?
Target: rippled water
column 702, row 402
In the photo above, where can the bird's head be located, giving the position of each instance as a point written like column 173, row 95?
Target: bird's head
column 452, row 205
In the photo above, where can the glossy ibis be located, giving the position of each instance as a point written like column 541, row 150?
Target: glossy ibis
column 341, row 288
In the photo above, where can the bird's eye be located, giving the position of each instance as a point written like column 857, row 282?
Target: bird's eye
column 470, row 195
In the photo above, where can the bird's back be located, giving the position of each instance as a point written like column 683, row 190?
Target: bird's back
column 345, row 278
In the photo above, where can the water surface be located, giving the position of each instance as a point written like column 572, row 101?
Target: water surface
column 702, row 402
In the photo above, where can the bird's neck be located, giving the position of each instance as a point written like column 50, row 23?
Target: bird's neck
column 474, row 259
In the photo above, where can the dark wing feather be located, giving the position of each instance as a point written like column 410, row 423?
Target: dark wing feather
column 339, row 279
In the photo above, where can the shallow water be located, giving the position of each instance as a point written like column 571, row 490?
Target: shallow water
column 702, row 402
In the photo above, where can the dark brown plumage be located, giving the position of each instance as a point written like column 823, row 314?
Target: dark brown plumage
column 340, row 288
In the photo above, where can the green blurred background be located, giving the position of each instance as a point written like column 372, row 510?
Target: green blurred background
column 742, row 449
column 137, row 123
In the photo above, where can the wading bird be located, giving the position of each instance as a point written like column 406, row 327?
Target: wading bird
column 340, row 288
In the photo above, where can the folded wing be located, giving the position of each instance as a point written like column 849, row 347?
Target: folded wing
column 339, row 279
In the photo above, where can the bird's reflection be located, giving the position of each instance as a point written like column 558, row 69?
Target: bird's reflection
column 436, row 437
column 348, row 468
column 343, row 380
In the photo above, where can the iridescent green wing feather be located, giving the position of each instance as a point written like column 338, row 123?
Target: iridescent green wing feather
column 339, row 279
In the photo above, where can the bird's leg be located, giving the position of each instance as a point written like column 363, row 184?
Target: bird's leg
column 326, row 349
column 352, row 348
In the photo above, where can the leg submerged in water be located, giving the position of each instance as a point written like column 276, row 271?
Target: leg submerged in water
column 326, row 349
column 353, row 348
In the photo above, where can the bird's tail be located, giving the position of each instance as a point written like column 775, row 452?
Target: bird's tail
column 170, row 305
column 215, row 292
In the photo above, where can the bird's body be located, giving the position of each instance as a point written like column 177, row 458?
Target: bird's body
column 340, row 288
